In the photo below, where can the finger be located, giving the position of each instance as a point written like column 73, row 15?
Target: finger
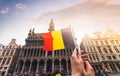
column 84, row 56
column 84, row 59
column 84, row 69
column 79, row 56
column 88, row 66
column 74, row 54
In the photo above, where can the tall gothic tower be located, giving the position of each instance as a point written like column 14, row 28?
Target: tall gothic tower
column 51, row 26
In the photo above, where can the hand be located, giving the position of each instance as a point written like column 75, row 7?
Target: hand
column 77, row 63
column 88, row 70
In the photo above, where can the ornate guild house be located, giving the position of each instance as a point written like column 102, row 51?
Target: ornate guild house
column 103, row 50
column 8, row 58
column 33, row 59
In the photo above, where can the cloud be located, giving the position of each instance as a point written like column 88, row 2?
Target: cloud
column 98, row 1
column 4, row 11
column 89, row 10
column 87, row 17
column 21, row 6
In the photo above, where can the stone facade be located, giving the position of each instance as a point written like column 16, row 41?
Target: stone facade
column 1, row 49
column 33, row 59
column 8, row 58
column 103, row 50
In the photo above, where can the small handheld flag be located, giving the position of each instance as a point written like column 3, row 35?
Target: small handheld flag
column 60, row 39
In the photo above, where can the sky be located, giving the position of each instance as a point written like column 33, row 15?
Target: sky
column 17, row 17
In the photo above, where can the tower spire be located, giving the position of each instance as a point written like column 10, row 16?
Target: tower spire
column 51, row 26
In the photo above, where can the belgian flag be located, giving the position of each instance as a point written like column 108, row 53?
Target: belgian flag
column 60, row 39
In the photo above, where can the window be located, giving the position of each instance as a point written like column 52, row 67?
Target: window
column 8, row 61
column 87, row 49
column 112, row 42
column 4, row 60
column 108, row 57
column 3, row 47
column 116, row 49
column 99, row 49
column 7, row 52
column 94, row 50
column 102, row 43
column 91, row 49
column 11, row 52
column 110, row 49
column 103, row 58
column 114, row 57
column 3, row 52
column 93, row 56
column 90, row 57
column 106, row 42
column 97, row 57
column 5, row 68
column 10, row 47
column 49, row 53
column 105, row 50
column 96, row 42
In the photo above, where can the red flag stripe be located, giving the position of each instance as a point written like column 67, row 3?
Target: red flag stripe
column 48, row 41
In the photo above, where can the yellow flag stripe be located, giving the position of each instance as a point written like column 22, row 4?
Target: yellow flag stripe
column 57, row 40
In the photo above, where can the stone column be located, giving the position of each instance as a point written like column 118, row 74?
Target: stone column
column 53, row 54
column 37, row 71
column 92, row 58
column 27, row 52
column 112, row 48
column 116, row 67
column 60, row 65
column 30, row 66
column 46, row 54
column 22, row 52
column 59, row 52
column 45, row 65
column 23, row 68
column 52, row 66
column 16, row 67
column 67, row 66
column 2, row 60
column 33, row 52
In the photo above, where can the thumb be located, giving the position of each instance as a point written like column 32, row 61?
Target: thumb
column 87, row 66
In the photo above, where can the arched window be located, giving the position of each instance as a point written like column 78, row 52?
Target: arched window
column 114, row 57
column 20, row 66
column 97, row 57
column 63, row 64
column 105, row 50
column 108, row 57
column 57, row 64
column 110, row 49
column 27, row 65
column 99, row 49
column 49, row 66
column 34, row 66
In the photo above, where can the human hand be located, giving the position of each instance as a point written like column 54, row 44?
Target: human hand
column 88, row 70
column 77, row 63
